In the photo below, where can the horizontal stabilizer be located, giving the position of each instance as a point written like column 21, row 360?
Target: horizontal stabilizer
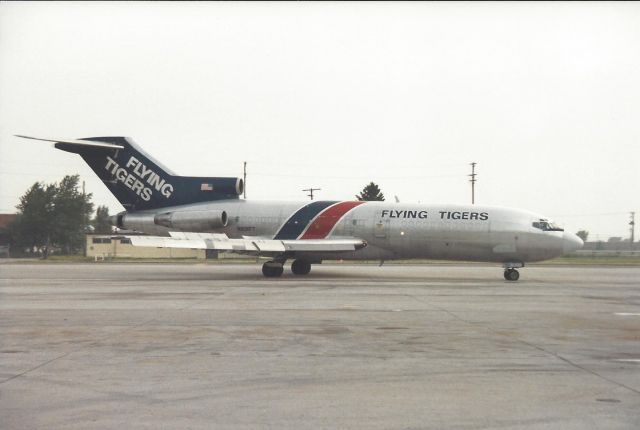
column 87, row 143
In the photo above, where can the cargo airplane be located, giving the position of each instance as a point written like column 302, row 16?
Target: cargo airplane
column 207, row 213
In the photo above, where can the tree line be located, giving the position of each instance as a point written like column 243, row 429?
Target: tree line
column 55, row 218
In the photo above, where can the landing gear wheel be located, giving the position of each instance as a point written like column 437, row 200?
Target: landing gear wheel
column 511, row 275
column 300, row 267
column 271, row 269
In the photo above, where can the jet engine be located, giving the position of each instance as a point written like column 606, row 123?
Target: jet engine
column 192, row 220
column 132, row 221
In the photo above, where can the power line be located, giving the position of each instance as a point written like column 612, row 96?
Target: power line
column 590, row 214
column 345, row 164
column 36, row 174
column 324, row 175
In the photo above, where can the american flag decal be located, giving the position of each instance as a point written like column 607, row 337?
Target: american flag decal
column 206, row 187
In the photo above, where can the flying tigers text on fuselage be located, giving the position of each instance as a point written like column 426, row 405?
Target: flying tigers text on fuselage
column 422, row 214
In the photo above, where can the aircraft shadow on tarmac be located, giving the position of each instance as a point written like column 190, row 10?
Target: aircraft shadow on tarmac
column 339, row 274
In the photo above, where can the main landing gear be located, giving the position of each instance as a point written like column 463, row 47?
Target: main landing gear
column 510, row 272
column 272, row 269
column 300, row 267
column 275, row 268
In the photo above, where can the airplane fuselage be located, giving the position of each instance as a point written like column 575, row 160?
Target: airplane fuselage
column 207, row 213
column 391, row 230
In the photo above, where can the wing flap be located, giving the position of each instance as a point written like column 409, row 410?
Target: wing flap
column 324, row 245
column 265, row 245
column 167, row 242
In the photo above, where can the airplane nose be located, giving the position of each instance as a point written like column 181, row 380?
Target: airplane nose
column 571, row 243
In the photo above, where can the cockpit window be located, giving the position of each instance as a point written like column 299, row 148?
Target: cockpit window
column 546, row 225
column 555, row 227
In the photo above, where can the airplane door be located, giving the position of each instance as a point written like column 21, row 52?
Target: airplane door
column 380, row 228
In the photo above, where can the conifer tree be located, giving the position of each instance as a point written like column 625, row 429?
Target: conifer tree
column 370, row 193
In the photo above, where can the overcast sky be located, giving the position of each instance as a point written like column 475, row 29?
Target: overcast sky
column 544, row 97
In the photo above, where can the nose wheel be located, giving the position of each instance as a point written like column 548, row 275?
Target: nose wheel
column 511, row 275
column 510, row 272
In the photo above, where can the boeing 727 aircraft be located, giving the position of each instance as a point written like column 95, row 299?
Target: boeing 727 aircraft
column 207, row 213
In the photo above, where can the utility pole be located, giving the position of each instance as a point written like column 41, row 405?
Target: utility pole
column 311, row 190
column 473, row 183
column 632, row 223
column 244, row 182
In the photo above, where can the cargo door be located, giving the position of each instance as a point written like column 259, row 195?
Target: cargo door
column 381, row 228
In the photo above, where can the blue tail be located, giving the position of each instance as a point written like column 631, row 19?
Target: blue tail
column 139, row 182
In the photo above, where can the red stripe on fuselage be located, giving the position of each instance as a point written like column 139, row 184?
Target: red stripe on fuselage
column 324, row 223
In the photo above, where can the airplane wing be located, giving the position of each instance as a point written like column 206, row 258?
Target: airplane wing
column 246, row 245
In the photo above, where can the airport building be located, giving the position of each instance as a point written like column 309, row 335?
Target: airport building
column 5, row 220
column 107, row 246
column 103, row 247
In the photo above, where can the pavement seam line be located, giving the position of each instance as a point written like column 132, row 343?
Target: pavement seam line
column 524, row 342
column 35, row 368
column 92, row 344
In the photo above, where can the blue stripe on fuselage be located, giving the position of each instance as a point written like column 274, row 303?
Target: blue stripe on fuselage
column 296, row 224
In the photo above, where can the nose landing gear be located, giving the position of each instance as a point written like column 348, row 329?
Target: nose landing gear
column 510, row 272
column 511, row 275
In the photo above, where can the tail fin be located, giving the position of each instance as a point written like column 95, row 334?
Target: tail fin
column 138, row 181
